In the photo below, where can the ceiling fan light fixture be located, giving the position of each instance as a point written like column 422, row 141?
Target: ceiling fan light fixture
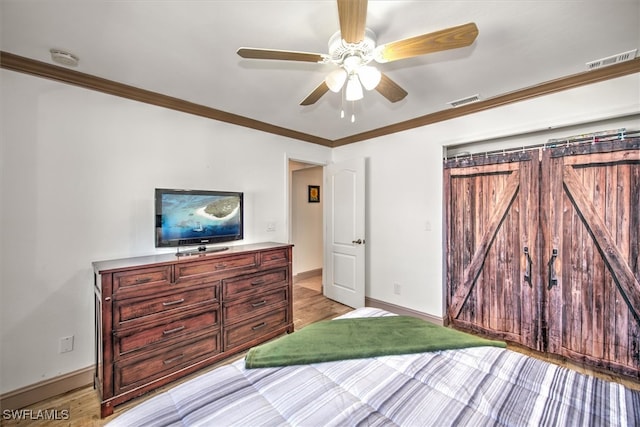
column 369, row 76
column 335, row 80
column 353, row 91
column 353, row 53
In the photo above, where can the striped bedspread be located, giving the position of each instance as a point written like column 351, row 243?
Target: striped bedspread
column 482, row 386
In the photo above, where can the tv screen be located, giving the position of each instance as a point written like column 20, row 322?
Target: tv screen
column 197, row 217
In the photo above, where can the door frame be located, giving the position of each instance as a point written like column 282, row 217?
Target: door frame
column 288, row 157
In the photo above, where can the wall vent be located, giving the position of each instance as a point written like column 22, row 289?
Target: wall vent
column 463, row 101
column 610, row 60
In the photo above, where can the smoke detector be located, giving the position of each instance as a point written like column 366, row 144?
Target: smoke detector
column 64, row 58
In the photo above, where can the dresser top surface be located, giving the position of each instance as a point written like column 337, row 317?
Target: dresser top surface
column 170, row 258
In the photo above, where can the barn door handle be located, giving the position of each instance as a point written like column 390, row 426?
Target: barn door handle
column 553, row 279
column 527, row 273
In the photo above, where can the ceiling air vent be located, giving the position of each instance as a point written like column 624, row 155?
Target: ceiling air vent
column 463, row 101
column 610, row 60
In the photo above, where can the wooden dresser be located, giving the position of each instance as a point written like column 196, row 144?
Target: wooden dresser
column 161, row 317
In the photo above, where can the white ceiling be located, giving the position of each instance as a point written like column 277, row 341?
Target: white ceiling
column 187, row 49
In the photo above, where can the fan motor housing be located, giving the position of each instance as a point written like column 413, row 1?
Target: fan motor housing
column 339, row 50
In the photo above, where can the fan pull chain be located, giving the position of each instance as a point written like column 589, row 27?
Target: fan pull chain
column 342, row 107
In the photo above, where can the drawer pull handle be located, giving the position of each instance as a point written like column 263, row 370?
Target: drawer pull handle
column 174, row 359
column 172, row 331
column 257, row 282
column 141, row 280
column 258, row 304
column 221, row 265
column 180, row 301
column 261, row 325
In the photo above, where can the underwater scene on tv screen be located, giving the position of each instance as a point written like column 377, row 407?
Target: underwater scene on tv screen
column 189, row 216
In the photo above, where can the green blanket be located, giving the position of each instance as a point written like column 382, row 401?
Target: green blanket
column 356, row 338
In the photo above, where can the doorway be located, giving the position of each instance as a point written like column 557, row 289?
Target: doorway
column 306, row 218
column 327, row 225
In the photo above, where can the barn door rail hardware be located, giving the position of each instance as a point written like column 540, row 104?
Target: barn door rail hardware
column 506, row 155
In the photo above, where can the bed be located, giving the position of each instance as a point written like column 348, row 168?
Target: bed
column 477, row 386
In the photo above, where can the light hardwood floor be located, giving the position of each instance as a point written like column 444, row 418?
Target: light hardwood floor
column 83, row 407
column 309, row 306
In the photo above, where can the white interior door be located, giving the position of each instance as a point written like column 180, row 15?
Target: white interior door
column 344, row 260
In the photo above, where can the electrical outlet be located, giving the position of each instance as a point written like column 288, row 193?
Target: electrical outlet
column 66, row 344
column 396, row 288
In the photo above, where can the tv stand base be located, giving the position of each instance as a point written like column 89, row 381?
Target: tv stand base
column 202, row 250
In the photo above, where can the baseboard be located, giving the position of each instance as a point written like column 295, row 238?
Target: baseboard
column 47, row 389
column 307, row 274
column 370, row 302
column 52, row 387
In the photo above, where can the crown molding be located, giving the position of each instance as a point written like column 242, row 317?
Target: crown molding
column 546, row 88
column 21, row 64
column 25, row 65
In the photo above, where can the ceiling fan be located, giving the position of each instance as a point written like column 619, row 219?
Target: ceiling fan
column 354, row 47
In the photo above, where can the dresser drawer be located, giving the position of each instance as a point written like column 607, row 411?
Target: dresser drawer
column 274, row 258
column 247, row 307
column 168, row 332
column 199, row 271
column 255, row 283
column 132, row 373
column 142, row 281
column 254, row 328
column 141, row 310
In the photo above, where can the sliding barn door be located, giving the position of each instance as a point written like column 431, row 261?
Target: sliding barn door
column 590, row 226
column 491, row 209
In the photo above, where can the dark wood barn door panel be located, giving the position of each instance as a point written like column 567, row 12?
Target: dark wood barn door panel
column 590, row 217
column 491, row 210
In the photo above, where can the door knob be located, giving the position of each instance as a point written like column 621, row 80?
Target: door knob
column 358, row 242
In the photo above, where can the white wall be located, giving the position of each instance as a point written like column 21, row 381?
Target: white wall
column 79, row 169
column 306, row 221
column 404, row 179
column 78, row 173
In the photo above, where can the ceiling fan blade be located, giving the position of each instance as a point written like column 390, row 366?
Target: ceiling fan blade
column 390, row 89
column 285, row 55
column 353, row 19
column 450, row 38
column 316, row 94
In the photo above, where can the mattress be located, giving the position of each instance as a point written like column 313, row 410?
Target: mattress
column 478, row 386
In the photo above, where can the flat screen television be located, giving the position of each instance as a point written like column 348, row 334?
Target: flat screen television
column 197, row 218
